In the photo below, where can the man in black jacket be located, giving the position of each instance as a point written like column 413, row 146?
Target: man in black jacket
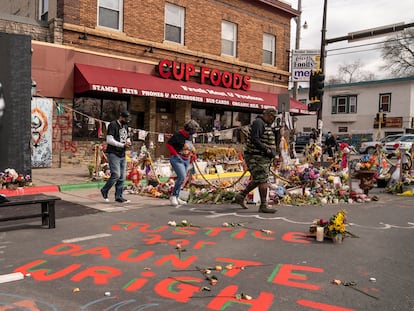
column 259, row 153
column 330, row 144
column 118, row 141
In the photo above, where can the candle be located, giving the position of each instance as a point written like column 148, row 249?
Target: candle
column 319, row 233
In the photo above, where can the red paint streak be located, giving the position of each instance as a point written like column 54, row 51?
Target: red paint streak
column 154, row 239
column 102, row 251
column 241, row 234
column 321, row 306
column 135, row 285
column 237, row 264
column 45, row 274
column 23, row 304
column 100, row 274
column 201, row 244
column 179, row 241
column 185, row 231
column 228, row 296
column 179, row 289
column 62, row 249
column 296, row 237
column 263, row 236
column 127, row 255
column 285, row 275
column 213, row 231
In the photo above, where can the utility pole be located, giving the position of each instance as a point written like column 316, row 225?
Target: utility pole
column 297, row 43
column 319, row 122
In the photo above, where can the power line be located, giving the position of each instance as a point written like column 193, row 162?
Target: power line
column 366, row 44
column 359, row 51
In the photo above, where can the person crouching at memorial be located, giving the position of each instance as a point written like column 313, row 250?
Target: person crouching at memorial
column 260, row 150
column 181, row 150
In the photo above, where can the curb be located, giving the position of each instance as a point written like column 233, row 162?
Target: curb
column 53, row 188
column 30, row 190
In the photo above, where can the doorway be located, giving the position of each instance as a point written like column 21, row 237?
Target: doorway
column 165, row 124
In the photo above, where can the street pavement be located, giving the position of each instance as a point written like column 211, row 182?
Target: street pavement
column 111, row 256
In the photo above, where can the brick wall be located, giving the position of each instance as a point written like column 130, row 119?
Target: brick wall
column 145, row 22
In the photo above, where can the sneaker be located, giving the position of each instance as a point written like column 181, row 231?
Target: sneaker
column 181, row 202
column 265, row 209
column 173, row 201
column 239, row 199
column 122, row 200
column 105, row 196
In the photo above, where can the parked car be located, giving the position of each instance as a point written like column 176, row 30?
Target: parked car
column 370, row 146
column 300, row 144
column 303, row 140
column 405, row 142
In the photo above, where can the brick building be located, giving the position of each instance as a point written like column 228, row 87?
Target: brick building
column 219, row 62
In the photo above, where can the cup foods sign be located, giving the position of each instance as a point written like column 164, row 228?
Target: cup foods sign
column 183, row 72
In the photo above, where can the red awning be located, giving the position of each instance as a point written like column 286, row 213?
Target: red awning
column 101, row 79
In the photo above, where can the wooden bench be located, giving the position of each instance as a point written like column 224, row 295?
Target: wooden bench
column 47, row 203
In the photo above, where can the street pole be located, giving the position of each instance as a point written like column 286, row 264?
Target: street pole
column 319, row 123
column 297, row 44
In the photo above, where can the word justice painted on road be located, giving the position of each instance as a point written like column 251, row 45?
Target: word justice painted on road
column 182, row 287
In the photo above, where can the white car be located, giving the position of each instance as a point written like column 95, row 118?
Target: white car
column 370, row 146
column 405, row 142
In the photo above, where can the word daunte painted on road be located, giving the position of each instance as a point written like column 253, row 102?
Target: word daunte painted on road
column 182, row 287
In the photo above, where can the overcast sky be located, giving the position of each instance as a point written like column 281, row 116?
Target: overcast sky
column 343, row 17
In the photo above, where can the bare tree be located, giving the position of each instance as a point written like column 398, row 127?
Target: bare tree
column 398, row 52
column 352, row 72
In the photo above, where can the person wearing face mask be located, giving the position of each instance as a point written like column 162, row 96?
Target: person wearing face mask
column 118, row 141
column 181, row 149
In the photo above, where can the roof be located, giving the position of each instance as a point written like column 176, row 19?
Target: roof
column 281, row 5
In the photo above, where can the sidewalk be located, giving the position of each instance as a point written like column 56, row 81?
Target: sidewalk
column 74, row 185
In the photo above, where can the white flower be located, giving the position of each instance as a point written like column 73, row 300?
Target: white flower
column 172, row 223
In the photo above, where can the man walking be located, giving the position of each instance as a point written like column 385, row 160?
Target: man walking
column 118, row 141
column 331, row 144
column 259, row 153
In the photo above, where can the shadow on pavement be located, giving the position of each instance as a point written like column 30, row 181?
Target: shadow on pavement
column 63, row 209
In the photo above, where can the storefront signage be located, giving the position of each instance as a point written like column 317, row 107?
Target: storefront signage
column 184, row 71
column 303, row 62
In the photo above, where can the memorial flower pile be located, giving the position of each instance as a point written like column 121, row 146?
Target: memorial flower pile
column 10, row 179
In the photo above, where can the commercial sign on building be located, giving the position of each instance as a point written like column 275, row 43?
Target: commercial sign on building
column 184, row 71
column 303, row 62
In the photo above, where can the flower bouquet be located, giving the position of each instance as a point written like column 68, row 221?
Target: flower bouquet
column 334, row 228
column 367, row 162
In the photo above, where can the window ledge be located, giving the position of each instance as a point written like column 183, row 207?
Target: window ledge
column 344, row 117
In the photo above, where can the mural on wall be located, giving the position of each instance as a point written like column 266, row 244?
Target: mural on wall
column 41, row 132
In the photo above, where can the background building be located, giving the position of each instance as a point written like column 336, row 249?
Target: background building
column 350, row 109
column 220, row 62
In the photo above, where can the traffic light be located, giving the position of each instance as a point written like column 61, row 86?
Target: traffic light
column 377, row 117
column 314, row 106
column 316, row 85
column 384, row 119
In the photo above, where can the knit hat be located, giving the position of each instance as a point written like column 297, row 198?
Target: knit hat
column 271, row 111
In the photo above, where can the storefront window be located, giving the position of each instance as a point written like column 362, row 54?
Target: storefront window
column 220, row 124
column 90, row 115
